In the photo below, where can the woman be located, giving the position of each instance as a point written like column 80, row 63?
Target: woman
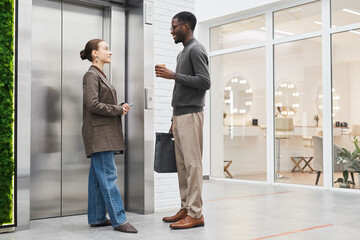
column 103, row 137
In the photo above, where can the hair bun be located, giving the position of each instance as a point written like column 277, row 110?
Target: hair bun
column 83, row 55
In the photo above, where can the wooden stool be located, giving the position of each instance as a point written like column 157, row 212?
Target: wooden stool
column 227, row 166
column 307, row 161
column 297, row 161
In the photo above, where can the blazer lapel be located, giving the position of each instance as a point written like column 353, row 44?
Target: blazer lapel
column 107, row 83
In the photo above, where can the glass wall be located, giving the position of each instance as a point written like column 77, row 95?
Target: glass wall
column 247, row 31
column 344, row 12
column 297, row 86
column 346, row 114
column 294, row 63
column 297, row 83
column 240, row 95
column 297, row 20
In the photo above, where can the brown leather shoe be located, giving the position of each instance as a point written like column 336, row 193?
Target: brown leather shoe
column 107, row 222
column 126, row 228
column 178, row 216
column 188, row 222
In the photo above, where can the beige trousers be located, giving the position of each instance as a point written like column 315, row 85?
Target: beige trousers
column 188, row 137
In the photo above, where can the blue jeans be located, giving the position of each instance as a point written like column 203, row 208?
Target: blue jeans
column 103, row 192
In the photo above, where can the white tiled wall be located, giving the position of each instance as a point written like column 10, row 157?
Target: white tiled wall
column 165, row 52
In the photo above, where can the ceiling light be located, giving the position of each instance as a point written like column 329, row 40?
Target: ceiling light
column 351, row 11
column 283, row 32
column 320, row 23
column 356, row 32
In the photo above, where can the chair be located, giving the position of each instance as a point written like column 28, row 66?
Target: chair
column 284, row 129
column 318, row 157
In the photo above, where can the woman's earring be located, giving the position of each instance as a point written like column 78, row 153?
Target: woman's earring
column 96, row 59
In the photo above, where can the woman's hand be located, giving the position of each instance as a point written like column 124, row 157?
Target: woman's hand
column 126, row 108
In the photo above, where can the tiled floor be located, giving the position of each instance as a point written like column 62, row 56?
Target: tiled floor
column 232, row 210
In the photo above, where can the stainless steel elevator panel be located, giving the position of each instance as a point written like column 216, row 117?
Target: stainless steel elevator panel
column 80, row 24
column 140, row 135
column 59, row 167
column 45, row 179
column 117, row 75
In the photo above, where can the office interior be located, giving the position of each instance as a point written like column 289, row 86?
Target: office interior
column 281, row 110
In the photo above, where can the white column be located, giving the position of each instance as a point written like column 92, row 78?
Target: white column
column 327, row 93
column 269, row 99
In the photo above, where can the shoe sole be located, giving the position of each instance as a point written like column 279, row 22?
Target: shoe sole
column 100, row 225
column 169, row 221
column 173, row 221
column 124, row 231
column 199, row 225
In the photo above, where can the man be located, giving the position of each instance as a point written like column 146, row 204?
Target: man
column 191, row 82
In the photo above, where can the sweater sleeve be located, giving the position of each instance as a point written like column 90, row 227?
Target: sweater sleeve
column 200, row 63
column 91, row 98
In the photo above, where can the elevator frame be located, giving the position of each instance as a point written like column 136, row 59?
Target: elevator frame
column 139, row 175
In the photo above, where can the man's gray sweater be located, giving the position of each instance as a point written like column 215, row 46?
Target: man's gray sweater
column 192, row 79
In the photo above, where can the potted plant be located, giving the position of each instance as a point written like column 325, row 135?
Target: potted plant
column 353, row 159
column 344, row 182
column 355, row 163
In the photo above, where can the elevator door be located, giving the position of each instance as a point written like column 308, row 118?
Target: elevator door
column 59, row 167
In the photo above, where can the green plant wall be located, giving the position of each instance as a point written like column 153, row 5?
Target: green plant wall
column 6, row 110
